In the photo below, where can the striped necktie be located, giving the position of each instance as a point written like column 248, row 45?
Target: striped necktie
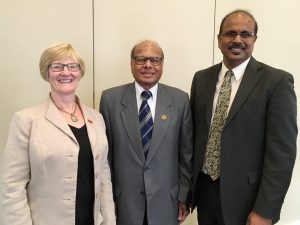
column 146, row 122
column 211, row 164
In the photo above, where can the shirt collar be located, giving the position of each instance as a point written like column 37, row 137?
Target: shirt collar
column 238, row 70
column 139, row 89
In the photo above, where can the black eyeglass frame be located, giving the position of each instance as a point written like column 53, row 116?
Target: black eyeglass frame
column 234, row 34
column 154, row 60
column 68, row 65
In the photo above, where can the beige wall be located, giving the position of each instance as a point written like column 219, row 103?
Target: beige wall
column 104, row 31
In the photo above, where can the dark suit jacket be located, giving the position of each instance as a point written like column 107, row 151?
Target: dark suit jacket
column 164, row 178
column 258, row 145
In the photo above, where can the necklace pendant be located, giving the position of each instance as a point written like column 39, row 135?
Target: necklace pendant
column 74, row 117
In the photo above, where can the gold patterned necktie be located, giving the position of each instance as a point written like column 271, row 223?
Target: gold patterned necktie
column 211, row 164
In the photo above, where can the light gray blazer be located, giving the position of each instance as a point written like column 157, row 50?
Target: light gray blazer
column 40, row 168
column 165, row 177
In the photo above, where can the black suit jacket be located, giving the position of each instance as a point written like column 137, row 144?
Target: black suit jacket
column 258, row 147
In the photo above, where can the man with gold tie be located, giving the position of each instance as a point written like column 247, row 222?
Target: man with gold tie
column 244, row 115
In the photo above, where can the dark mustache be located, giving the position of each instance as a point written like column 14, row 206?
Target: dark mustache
column 237, row 45
column 147, row 71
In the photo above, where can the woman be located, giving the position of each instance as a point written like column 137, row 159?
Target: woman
column 56, row 168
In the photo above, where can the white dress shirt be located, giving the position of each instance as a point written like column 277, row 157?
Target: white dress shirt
column 235, row 82
column 151, row 101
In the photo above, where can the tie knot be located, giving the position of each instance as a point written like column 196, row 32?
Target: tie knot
column 146, row 95
column 229, row 73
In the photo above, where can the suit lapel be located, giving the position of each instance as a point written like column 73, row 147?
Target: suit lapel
column 129, row 115
column 248, row 83
column 53, row 116
column 211, row 81
column 161, row 121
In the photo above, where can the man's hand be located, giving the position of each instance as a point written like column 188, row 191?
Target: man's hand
column 183, row 212
column 256, row 219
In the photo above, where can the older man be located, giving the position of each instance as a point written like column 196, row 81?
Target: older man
column 149, row 129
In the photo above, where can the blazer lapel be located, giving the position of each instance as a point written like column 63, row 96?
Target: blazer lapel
column 53, row 116
column 249, row 81
column 161, row 121
column 129, row 115
column 211, row 81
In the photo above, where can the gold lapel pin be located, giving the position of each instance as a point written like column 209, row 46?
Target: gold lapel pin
column 163, row 117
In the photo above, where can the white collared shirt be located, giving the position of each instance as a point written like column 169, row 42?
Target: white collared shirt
column 235, row 82
column 151, row 101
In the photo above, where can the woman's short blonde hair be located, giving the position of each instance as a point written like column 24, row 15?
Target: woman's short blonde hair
column 59, row 52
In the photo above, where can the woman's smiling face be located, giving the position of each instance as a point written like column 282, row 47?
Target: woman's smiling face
column 65, row 81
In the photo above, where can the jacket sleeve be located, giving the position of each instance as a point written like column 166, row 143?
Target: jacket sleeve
column 186, row 153
column 17, row 173
column 105, row 113
column 280, row 149
column 106, row 197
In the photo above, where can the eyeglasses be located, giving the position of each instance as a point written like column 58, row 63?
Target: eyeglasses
column 243, row 35
column 141, row 60
column 58, row 67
